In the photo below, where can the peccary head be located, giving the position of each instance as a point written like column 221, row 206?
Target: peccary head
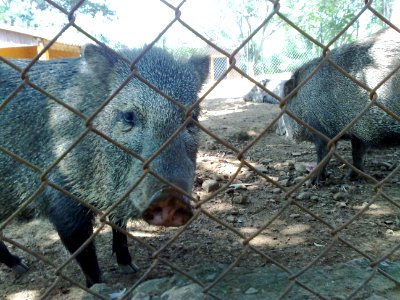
column 141, row 121
column 273, row 84
column 256, row 94
column 282, row 126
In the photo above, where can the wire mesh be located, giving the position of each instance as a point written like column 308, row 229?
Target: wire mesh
column 223, row 64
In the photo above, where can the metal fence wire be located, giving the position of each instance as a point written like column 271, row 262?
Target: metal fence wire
column 203, row 207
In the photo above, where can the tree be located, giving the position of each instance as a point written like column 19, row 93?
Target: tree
column 323, row 20
column 249, row 15
column 22, row 12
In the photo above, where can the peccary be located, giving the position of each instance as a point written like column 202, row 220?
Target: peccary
column 258, row 95
column 97, row 171
column 329, row 101
column 275, row 85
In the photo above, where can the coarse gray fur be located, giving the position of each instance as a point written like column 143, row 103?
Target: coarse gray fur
column 40, row 130
column 329, row 101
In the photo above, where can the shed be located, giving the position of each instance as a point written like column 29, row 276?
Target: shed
column 18, row 42
column 219, row 63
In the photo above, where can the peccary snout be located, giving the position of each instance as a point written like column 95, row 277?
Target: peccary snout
column 168, row 208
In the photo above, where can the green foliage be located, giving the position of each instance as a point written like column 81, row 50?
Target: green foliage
column 277, row 47
column 320, row 19
column 323, row 20
column 89, row 7
column 22, row 12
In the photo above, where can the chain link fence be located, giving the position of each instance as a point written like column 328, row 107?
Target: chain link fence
column 224, row 62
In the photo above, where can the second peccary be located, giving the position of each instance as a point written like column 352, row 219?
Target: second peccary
column 98, row 172
column 329, row 101
column 258, row 95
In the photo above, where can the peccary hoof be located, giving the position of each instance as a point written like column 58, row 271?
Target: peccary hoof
column 320, row 179
column 353, row 176
column 20, row 268
column 128, row 269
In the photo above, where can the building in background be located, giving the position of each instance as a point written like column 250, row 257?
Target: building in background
column 25, row 43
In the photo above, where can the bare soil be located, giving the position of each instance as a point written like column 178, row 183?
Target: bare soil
column 291, row 236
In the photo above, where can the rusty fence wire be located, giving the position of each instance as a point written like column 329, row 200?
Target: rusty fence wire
column 289, row 192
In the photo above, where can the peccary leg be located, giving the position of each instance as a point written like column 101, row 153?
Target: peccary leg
column 322, row 150
column 120, row 248
column 12, row 261
column 74, row 225
column 358, row 151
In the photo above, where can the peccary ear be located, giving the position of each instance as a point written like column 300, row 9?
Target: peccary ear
column 99, row 59
column 265, row 82
column 289, row 86
column 201, row 65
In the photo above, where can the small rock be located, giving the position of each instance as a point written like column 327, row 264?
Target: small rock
column 112, row 291
column 261, row 168
column 210, row 185
column 282, row 174
column 389, row 232
column 303, row 196
column 276, row 190
column 211, row 276
column 266, row 161
column 340, row 196
column 309, row 183
column 239, row 186
column 215, row 177
column 211, row 145
column 347, row 189
column 245, row 175
column 230, row 219
column 376, row 297
column 284, row 182
column 279, row 166
column 290, row 164
column 234, row 212
column 342, row 204
column 298, row 179
column 153, row 287
column 240, row 199
column 251, row 291
column 199, row 180
column 300, row 167
column 274, row 178
column 242, row 136
column 191, row 291
column 386, row 166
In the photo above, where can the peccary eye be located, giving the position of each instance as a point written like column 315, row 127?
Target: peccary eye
column 128, row 117
column 191, row 124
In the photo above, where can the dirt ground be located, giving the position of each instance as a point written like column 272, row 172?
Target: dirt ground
column 292, row 238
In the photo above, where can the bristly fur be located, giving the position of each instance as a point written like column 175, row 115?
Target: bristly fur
column 329, row 101
column 99, row 172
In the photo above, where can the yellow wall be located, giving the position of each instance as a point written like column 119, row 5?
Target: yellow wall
column 19, row 52
column 32, row 51
column 56, row 54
